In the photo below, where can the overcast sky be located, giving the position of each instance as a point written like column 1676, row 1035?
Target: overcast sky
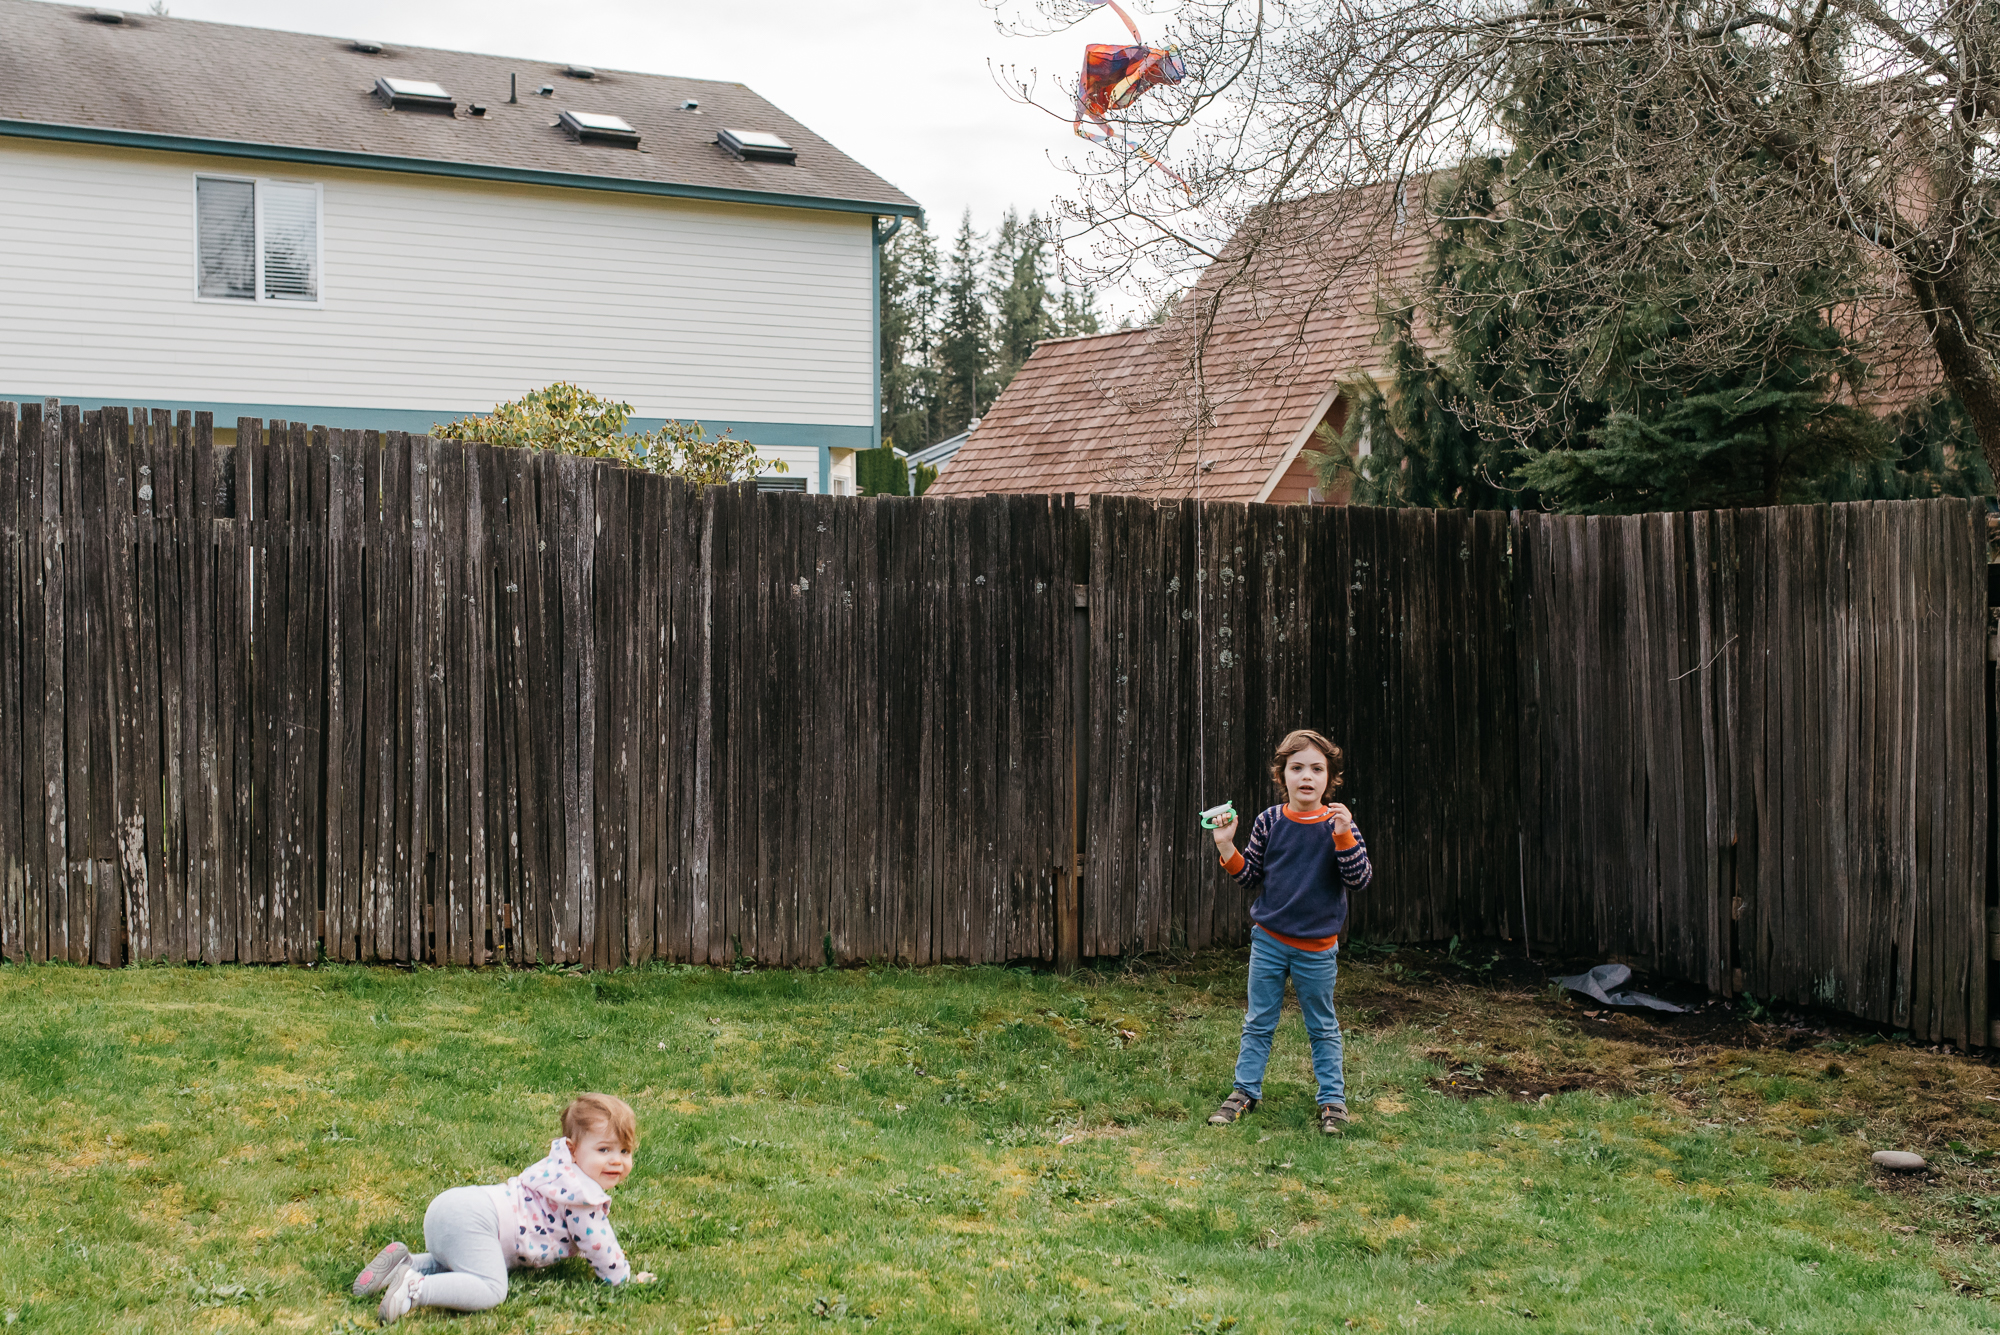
column 908, row 89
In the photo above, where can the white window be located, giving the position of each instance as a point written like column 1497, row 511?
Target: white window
column 256, row 240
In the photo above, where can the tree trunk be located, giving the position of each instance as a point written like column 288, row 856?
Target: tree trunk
column 1945, row 301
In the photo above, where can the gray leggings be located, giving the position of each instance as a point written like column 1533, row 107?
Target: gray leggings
column 464, row 1268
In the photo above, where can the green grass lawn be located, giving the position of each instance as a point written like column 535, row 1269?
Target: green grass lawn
column 977, row 1150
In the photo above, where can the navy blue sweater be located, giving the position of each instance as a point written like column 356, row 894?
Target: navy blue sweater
column 1305, row 877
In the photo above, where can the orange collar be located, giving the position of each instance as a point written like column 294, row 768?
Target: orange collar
column 1325, row 812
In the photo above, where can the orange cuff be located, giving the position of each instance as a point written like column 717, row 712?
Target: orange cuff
column 1344, row 839
column 1233, row 863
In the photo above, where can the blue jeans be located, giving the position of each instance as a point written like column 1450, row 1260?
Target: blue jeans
column 1312, row 973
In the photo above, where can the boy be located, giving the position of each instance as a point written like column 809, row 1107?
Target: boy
column 1306, row 856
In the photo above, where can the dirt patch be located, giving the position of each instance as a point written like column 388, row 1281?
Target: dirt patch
column 1903, row 1184
column 1413, row 973
column 1497, row 1080
column 1714, row 1025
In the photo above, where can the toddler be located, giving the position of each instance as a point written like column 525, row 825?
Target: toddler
column 1303, row 858
column 560, row 1207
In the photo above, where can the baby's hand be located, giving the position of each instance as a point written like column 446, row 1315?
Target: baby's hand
column 644, row 1277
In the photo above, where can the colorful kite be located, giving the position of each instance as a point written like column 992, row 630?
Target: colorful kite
column 1113, row 79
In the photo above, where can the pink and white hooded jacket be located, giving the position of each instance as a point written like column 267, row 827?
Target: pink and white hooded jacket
column 553, row 1211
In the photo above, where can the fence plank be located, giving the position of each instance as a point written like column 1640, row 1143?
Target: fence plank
column 13, row 861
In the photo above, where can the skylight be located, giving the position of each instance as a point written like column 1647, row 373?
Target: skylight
column 414, row 93
column 756, row 146
column 593, row 127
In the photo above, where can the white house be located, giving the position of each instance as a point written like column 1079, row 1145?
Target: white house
column 348, row 233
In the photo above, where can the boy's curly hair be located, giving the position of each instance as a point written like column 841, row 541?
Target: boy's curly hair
column 592, row 1112
column 1297, row 740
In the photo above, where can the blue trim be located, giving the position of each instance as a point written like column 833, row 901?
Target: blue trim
column 826, row 470
column 477, row 171
column 419, row 421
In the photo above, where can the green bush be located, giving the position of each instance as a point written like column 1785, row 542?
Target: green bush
column 881, row 472
column 565, row 418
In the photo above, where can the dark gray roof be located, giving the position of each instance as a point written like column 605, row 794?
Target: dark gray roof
column 211, row 87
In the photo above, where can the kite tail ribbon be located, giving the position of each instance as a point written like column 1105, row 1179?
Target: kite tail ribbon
column 1130, row 26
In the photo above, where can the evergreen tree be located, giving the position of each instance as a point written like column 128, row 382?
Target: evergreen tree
column 964, row 350
column 1933, row 451
column 956, row 328
column 910, row 294
column 1079, row 311
column 1020, row 296
column 1495, row 419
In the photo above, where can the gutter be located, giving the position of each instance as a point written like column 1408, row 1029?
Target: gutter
column 383, row 162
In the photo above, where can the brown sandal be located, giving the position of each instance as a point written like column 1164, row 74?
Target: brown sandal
column 1232, row 1108
column 1332, row 1117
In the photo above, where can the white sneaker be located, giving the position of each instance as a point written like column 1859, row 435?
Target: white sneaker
column 401, row 1294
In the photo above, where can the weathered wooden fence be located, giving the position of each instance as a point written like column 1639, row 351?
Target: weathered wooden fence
column 397, row 698
column 1390, row 629
column 385, row 697
column 1754, row 751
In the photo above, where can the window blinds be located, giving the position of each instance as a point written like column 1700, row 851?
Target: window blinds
column 291, row 242
column 226, row 238
column 256, row 240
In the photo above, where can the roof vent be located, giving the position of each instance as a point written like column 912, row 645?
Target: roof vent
column 414, row 94
column 589, row 127
column 580, row 71
column 107, row 16
column 365, row 47
column 756, row 146
column 546, row 90
column 690, row 104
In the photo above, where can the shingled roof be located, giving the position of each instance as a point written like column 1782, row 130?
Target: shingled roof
column 1251, row 362
column 154, row 82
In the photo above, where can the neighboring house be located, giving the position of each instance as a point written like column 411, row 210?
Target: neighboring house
column 1223, row 399
column 938, row 455
column 266, row 224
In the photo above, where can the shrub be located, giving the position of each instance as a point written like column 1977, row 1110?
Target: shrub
column 570, row 420
column 881, row 472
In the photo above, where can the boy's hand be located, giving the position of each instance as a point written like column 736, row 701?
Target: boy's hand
column 644, row 1277
column 1225, row 838
column 1343, row 819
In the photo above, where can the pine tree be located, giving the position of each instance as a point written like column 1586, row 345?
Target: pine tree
column 1079, row 311
column 911, row 291
column 1933, row 451
column 1020, row 296
column 955, row 329
column 1493, row 419
column 964, row 348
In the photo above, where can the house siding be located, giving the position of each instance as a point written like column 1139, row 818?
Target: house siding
column 437, row 295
